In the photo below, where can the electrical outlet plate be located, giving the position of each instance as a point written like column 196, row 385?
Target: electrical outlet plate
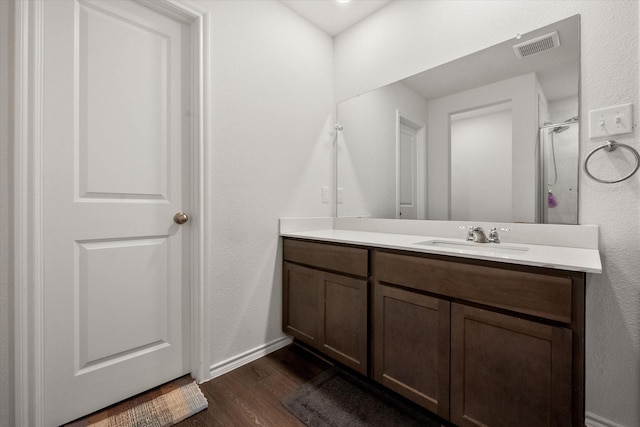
column 325, row 194
column 611, row 121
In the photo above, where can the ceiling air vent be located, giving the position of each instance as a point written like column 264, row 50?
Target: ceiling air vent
column 537, row 45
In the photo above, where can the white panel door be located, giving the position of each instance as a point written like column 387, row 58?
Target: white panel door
column 116, row 265
column 407, row 172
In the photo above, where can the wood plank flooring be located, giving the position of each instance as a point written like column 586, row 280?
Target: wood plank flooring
column 251, row 394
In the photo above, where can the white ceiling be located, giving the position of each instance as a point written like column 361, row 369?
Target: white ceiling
column 332, row 16
column 557, row 69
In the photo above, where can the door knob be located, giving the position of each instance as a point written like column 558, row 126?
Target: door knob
column 180, row 218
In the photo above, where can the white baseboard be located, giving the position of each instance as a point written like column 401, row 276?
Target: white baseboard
column 246, row 357
column 593, row 420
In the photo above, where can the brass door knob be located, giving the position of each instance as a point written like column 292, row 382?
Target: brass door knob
column 180, row 218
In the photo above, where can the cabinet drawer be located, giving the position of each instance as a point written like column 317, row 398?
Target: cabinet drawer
column 343, row 259
column 541, row 295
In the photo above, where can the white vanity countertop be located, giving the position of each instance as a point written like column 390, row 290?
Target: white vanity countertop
column 558, row 257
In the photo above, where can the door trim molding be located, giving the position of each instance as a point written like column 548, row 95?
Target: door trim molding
column 28, row 214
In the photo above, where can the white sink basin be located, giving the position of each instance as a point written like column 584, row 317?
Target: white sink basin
column 476, row 248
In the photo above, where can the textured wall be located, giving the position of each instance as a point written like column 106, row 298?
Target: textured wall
column 6, row 322
column 393, row 43
column 271, row 153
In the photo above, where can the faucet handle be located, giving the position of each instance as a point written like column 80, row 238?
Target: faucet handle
column 493, row 234
column 469, row 229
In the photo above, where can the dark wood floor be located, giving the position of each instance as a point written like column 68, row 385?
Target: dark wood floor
column 250, row 395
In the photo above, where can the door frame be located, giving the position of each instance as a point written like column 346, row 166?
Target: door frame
column 28, row 207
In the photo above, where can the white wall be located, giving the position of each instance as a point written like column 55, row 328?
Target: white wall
column 521, row 92
column 561, row 110
column 484, row 142
column 394, row 43
column 271, row 152
column 367, row 148
column 6, row 321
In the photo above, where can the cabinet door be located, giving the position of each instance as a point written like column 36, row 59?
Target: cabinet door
column 507, row 371
column 303, row 303
column 345, row 320
column 411, row 346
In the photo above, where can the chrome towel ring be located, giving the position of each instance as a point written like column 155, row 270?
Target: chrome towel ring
column 611, row 146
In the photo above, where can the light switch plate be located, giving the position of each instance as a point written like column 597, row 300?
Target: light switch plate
column 611, row 121
column 340, row 194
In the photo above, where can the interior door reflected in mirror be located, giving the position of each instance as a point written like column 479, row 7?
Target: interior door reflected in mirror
column 492, row 136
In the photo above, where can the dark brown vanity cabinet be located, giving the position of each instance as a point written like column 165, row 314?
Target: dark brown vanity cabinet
column 487, row 344
column 479, row 343
column 325, row 299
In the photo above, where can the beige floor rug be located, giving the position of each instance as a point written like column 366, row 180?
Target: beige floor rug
column 161, row 407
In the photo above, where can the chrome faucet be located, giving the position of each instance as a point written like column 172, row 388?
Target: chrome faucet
column 476, row 234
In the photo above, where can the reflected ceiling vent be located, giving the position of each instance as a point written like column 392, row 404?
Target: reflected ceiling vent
column 537, row 45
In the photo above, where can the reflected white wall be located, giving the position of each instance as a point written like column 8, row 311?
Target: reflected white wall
column 522, row 93
column 482, row 141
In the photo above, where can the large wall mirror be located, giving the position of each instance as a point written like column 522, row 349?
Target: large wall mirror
column 492, row 136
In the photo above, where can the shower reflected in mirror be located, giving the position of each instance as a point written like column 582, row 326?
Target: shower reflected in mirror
column 559, row 172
